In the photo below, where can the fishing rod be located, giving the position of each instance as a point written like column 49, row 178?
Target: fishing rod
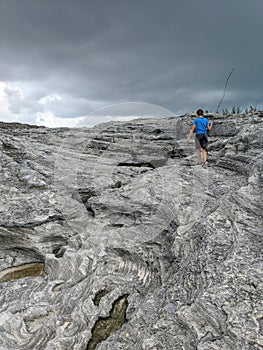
column 219, row 104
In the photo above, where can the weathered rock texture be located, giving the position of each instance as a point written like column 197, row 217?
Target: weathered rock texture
column 112, row 238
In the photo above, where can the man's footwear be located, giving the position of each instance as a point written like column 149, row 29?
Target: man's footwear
column 205, row 164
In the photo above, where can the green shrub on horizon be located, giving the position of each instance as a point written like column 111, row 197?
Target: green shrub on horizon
column 238, row 110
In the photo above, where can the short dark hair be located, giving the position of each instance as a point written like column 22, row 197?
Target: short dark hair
column 200, row 112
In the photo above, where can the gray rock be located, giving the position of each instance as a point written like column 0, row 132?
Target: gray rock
column 112, row 238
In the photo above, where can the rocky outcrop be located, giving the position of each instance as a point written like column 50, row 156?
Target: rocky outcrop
column 112, row 238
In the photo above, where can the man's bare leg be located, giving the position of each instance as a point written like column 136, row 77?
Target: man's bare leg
column 198, row 156
column 205, row 155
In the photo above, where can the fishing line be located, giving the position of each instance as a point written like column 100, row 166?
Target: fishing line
column 219, row 104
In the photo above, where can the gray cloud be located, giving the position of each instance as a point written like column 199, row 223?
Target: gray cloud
column 15, row 100
column 171, row 53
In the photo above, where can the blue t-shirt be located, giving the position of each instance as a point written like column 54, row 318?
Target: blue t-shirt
column 200, row 125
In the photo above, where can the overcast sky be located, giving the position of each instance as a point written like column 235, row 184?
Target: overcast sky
column 61, row 60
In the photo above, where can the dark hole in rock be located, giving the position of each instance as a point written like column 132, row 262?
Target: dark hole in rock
column 99, row 295
column 59, row 251
column 117, row 184
column 116, row 225
column 104, row 327
column 154, row 163
column 84, row 194
column 139, row 164
column 90, row 209
column 176, row 153
column 157, row 131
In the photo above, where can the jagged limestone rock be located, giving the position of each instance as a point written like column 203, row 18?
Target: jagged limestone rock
column 125, row 231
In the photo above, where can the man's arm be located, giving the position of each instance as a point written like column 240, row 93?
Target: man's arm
column 209, row 126
column 190, row 133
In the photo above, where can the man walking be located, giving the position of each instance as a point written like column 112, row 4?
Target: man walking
column 200, row 125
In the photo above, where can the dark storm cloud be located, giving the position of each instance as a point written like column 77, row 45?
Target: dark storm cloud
column 172, row 53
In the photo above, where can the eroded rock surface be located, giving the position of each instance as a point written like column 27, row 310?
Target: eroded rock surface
column 116, row 240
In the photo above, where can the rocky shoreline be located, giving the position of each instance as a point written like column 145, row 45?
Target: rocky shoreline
column 112, row 238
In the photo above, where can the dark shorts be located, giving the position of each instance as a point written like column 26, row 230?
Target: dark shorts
column 201, row 141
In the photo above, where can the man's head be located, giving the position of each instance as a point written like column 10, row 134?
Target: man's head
column 200, row 112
